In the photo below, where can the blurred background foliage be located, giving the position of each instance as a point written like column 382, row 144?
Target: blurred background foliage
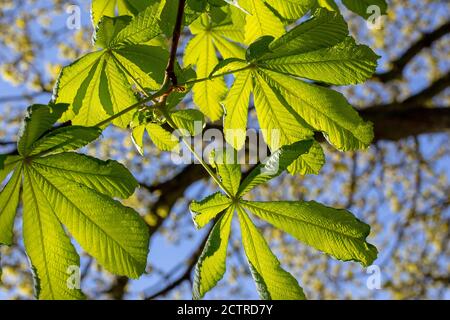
column 400, row 186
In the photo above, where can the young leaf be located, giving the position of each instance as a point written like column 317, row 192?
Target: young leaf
column 189, row 121
column 207, row 209
column 211, row 265
column 310, row 162
column 272, row 282
column 145, row 64
column 334, row 231
column 273, row 166
column 162, row 138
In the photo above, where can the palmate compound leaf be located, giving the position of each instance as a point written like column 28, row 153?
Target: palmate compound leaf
column 334, row 231
column 201, row 51
column 73, row 190
column 289, row 109
column 101, row 83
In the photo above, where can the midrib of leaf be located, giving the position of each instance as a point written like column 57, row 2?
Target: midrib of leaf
column 84, row 215
column 122, row 67
column 274, row 118
column 287, row 218
column 249, row 75
column 244, row 224
column 30, row 177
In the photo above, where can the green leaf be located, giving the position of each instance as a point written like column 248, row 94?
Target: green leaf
column 362, row 7
column 310, row 162
column 107, row 177
column 120, row 93
column 9, row 163
column 258, row 48
column 211, row 265
column 9, row 201
column 65, row 139
column 113, row 234
column 229, row 65
column 189, row 121
column 345, row 63
column 325, row 110
column 207, row 94
column 74, row 190
column 146, row 64
column 142, row 28
column 49, row 249
column 162, row 138
column 291, row 9
column 201, row 52
column 324, row 29
column 229, row 169
column 261, row 21
column 108, row 29
column 207, row 209
column 274, row 165
column 280, row 124
column 236, row 110
column 38, row 120
column 100, row 84
column 333, row 231
column 272, row 282
column 102, row 8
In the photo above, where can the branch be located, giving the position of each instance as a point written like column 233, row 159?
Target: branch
column 170, row 70
column 395, row 125
column 399, row 64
